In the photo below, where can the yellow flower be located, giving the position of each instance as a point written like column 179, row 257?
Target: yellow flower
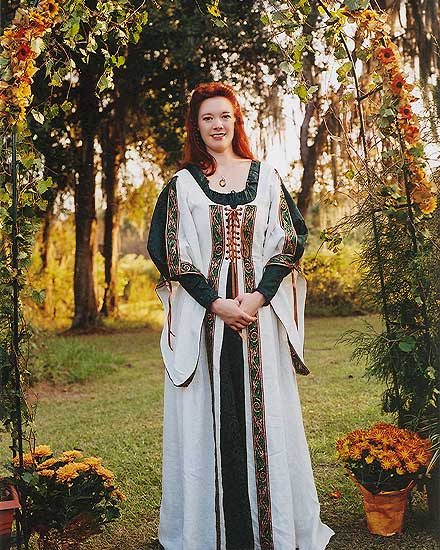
column 82, row 467
column 46, row 473
column 49, row 6
column 423, row 456
column 69, row 471
column 400, row 471
column 213, row 10
column 42, row 450
column 412, row 466
column 28, row 460
column 70, row 456
column 93, row 461
column 369, row 459
column 105, row 474
column 47, row 463
column 428, row 205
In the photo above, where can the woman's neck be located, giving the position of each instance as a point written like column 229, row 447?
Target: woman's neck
column 224, row 158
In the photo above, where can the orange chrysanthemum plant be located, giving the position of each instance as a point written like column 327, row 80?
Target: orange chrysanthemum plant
column 21, row 43
column 384, row 457
column 68, row 497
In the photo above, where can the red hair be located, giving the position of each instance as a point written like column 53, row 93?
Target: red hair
column 195, row 149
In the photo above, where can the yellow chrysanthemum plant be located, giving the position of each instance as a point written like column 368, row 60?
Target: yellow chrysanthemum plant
column 69, row 496
column 384, row 457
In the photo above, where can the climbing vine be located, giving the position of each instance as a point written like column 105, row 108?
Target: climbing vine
column 63, row 32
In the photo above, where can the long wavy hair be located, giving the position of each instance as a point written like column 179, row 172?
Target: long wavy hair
column 195, row 149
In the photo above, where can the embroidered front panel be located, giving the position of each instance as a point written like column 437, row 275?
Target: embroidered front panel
column 217, row 255
column 286, row 258
column 172, row 229
column 175, row 266
column 256, row 390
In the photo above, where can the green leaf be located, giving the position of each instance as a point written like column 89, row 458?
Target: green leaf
column 340, row 52
column 66, row 106
column 286, row 67
column 407, row 344
column 38, row 296
column 301, row 91
column 349, row 174
column 103, row 83
column 355, row 5
column 265, row 19
column 344, row 70
column 417, row 151
column 43, row 185
column 56, row 80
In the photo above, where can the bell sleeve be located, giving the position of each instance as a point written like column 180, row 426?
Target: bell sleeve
column 167, row 254
column 286, row 232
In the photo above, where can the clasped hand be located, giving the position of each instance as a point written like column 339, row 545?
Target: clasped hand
column 239, row 312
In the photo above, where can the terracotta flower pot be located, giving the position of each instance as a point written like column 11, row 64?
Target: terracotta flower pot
column 385, row 511
column 7, row 510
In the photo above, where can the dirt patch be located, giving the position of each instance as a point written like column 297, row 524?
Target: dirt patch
column 45, row 391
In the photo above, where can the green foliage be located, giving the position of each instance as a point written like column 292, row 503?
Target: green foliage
column 105, row 28
column 333, row 285
column 64, row 361
column 403, row 354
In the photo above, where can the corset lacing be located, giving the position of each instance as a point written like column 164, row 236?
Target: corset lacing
column 233, row 242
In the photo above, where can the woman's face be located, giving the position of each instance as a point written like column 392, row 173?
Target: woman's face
column 216, row 123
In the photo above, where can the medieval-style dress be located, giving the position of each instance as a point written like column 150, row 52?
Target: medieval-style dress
column 237, row 473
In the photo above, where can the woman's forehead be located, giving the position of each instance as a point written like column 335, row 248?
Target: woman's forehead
column 216, row 105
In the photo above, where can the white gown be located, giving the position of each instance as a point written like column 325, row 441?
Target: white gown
column 284, row 505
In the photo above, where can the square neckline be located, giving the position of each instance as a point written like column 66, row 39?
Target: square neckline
column 244, row 196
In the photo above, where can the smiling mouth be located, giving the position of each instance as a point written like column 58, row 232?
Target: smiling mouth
column 218, row 135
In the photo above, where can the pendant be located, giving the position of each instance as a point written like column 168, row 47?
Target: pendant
column 222, row 182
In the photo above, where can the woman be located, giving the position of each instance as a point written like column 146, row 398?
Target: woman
column 226, row 237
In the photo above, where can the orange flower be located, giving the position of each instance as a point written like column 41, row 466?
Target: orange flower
column 412, row 466
column 28, row 460
column 406, row 112
column 70, row 456
column 42, row 450
column 386, row 55
column 46, row 473
column 47, row 463
column 24, row 52
column 397, row 84
column 403, row 454
column 423, row 457
column 412, row 133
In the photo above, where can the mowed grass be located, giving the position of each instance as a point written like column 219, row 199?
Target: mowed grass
column 117, row 415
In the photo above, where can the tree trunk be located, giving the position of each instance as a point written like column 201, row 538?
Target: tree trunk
column 113, row 155
column 85, row 211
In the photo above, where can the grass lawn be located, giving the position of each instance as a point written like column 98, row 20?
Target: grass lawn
column 117, row 415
